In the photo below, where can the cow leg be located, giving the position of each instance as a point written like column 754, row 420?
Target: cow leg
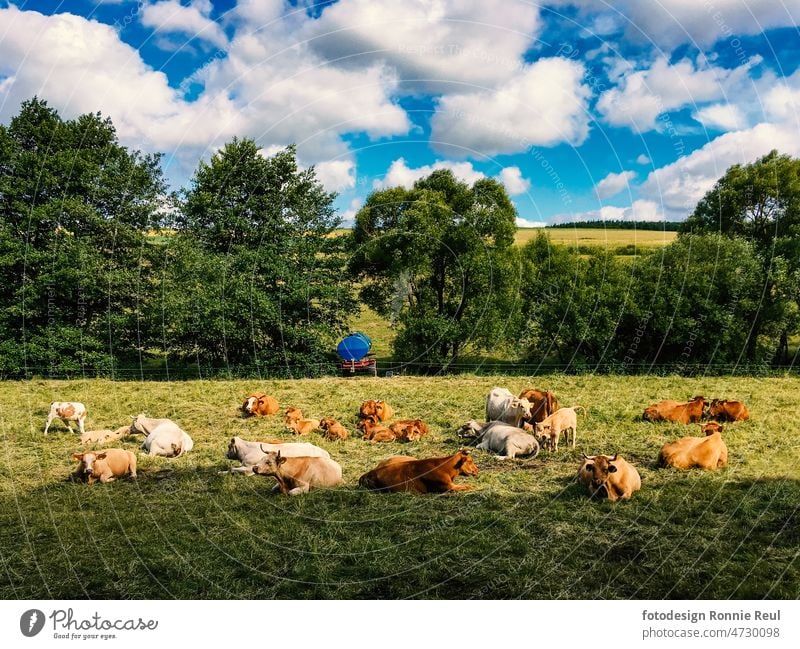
column 247, row 470
column 301, row 488
column 69, row 425
column 47, row 425
column 574, row 435
column 459, row 487
column 80, row 425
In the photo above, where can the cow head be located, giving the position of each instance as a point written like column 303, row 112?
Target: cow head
column 383, row 410
column 326, row 422
column 270, row 463
column 465, row 463
column 233, row 451
column 471, row 429
column 542, row 429
column 596, row 470
column 711, row 427
column 249, row 405
column 137, row 426
column 717, row 407
column 87, row 460
column 293, row 415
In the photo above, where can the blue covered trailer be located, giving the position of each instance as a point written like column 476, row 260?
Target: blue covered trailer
column 353, row 349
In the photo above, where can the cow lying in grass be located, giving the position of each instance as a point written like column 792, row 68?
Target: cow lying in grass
column 105, row 466
column 332, row 430
column 708, row 452
column 375, row 411
column 375, row 432
column 725, row 410
column 609, row 476
column 259, row 404
column 297, row 475
column 505, row 440
column 251, row 453
column 409, row 430
column 680, row 412
column 67, row 411
column 162, row 436
column 303, row 426
column 432, row 475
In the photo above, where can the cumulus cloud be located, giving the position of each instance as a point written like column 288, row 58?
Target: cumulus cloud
column 642, row 159
column 723, row 117
column 613, row 184
column 400, row 174
column 543, row 105
column 642, row 95
column 639, row 210
column 170, row 16
column 526, row 223
column 336, row 175
column 349, row 215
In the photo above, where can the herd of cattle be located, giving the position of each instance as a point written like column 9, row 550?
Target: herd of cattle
column 515, row 426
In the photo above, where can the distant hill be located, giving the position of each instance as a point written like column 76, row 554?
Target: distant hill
column 665, row 226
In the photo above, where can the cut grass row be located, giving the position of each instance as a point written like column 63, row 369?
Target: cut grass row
column 527, row 530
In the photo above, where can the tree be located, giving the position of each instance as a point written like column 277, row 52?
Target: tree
column 761, row 202
column 74, row 207
column 253, row 276
column 439, row 259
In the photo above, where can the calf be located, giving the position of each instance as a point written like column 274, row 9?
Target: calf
column 725, row 410
column 543, row 403
column 503, row 406
column 563, row 420
column 292, row 415
column 609, row 476
column 432, row 475
column 66, row 411
column 251, row 453
column 332, row 429
column 708, row 452
column 162, row 436
column 296, row 475
column 103, row 436
column 375, row 411
column 683, row 413
column 409, row 430
column 259, row 404
column 105, row 466
column 303, row 426
column 375, row 432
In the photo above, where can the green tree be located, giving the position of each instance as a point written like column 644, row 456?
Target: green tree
column 761, row 202
column 74, row 207
column 254, row 276
column 439, row 259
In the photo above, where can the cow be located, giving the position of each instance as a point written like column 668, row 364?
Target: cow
column 251, row 453
column 259, row 404
column 564, row 420
column 106, row 465
column 432, row 475
column 103, row 436
column 292, row 415
column 708, row 452
column 725, row 410
column 303, row 426
column 297, row 475
column 609, row 476
column 543, row 403
column 375, row 411
column 506, row 440
column 375, row 432
column 67, row 411
column 332, row 429
column 409, row 430
column 162, row 436
column 684, row 413
column 503, row 406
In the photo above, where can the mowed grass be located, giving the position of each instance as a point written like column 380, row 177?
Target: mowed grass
column 526, row 530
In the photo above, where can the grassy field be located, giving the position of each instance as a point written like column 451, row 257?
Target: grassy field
column 595, row 237
column 527, row 530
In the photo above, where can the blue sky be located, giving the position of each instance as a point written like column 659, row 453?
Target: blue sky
column 584, row 110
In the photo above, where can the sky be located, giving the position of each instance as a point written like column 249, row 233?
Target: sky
column 584, row 109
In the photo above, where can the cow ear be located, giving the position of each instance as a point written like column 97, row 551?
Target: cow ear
column 100, row 456
column 77, row 456
column 279, row 459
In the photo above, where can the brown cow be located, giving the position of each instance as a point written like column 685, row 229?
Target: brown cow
column 303, row 426
column 292, row 415
column 376, row 411
column 375, row 432
column 259, row 404
column 105, row 466
column 609, row 476
column 543, row 403
column 332, row 429
column 683, row 413
column 708, row 452
column 725, row 410
column 409, row 430
column 432, row 475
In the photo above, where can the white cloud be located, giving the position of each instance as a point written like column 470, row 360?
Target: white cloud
column 642, row 95
column 543, row 105
column 613, row 184
column 525, row 223
column 336, row 175
column 639, row 210
column 349, row 215
column 169, row 16
column 669, row 23
column 439, row 45
column 643, row 159
column 723, row 117
column 512, row 178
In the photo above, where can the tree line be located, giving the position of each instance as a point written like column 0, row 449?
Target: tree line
column 243, row 271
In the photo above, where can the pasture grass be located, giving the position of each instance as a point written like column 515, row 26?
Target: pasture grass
column 183, row 530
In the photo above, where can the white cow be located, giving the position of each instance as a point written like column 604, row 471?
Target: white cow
column 503, row 406
column 506, row 440
column 66, row 411
column 162, row 436
column 251, row 453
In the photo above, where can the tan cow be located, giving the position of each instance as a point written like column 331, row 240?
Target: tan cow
column 543, row 403
column 725, row 410
column 708, row 452
column 609, row 476
column 563, row 420
column 375, row 432
column 292, row 415
column 332, row 429
column 409, row 430
column 376, row 411
column 259, row 404
column 297, row 475
column 105, row 466
column 103, row 436
column 303, row 426
column 681, row 412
